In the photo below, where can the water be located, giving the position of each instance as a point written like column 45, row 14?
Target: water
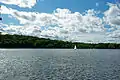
column 50, row 64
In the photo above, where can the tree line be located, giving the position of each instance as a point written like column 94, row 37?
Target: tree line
column 20, row 41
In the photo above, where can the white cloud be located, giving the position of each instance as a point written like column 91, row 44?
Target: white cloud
column 20, row 3
column 61, row 24
column 24, row 30
column 114, row 34
column 112, row 15
column 62, row 18
column 67, row 25
column 112, row 18
column 97, row 4
column 5, row 10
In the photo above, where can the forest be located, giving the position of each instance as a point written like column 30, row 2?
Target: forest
column 21, row 41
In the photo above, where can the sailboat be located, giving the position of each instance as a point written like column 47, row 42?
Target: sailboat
column 75, row 47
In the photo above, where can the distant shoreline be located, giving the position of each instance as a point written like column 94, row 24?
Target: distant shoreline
column 29, row 42
column 58, row 48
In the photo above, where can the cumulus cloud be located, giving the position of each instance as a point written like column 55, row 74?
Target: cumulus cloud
column 61, row 24
column 112, row 15
column 5, row 10
column 115, row 34
column 23, row 30
column 20, row 3
column 64, row 24
column 87, row 22
column 112, row 18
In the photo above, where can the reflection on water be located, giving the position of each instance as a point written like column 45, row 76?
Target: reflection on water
column 83, row 64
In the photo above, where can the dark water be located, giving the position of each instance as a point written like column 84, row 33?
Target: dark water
column 83, row 64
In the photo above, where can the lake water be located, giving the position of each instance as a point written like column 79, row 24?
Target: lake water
column 59, row 64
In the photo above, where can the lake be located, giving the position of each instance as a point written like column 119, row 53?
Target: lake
column 59, row 64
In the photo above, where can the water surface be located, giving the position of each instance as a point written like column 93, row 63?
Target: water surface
column 59, row 64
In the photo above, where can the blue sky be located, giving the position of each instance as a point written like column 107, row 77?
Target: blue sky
column 74, row 5
column 48, row 6
column 71, row 20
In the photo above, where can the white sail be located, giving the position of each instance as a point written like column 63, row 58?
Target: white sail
column 75, row 47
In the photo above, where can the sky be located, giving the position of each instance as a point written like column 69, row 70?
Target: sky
column 88, row 21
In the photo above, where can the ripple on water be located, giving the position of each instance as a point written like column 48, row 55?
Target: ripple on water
column 48, row 66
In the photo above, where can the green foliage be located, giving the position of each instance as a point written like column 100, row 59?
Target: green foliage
column 20, row 41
